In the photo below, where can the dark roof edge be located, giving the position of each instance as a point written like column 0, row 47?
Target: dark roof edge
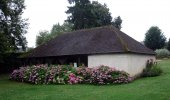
column 97, row 54
column 123, row 53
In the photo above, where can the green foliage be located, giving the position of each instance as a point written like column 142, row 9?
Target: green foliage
column 168, row 45
column 162, row 53
column 12, row 26
column 86, row 14
column 3, row 44
column 85, row 73
column 117, row 74
column 30, row 49
column 56, row 30
column 117, row 22
column 42, row 38
column 9, row 62
column 151, row 70
column 154, row 38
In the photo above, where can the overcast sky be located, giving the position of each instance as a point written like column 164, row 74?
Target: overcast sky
column 137, row 15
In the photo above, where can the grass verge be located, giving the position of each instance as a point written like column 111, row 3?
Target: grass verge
column 151, row 88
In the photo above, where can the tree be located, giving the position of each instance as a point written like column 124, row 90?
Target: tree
column 56, row 30
column 43, row 37
column 154, row 38
column 86, row 14
column 168, row 45
column 12, row 26
column 117, row 22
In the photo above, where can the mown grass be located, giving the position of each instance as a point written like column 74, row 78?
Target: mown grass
column 153, row 88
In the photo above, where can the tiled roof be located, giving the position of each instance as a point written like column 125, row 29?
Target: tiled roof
column 100, row 40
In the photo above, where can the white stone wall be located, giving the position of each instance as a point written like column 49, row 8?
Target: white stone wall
column 131, row 63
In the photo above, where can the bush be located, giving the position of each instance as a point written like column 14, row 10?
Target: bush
column 62, row 74
column 151, row 69
column 85, row 73
column 101, row 75
column 73, row 79
column 107, row 75
column 58, row 74
column 162, row 53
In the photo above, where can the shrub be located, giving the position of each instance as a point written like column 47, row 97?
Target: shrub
column 84, row 73
column 37, row 74
column 63, row 74
column 162, row 53
column 151, row 69
column 120, row 77
column 101, row 75
column 73, row 79
column 54, row 75
column 19, row 74
column 107, row 75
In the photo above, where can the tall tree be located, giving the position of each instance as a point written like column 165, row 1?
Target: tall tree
column 168, row 45
column 12, row 26
column 86, row 14
column 117, row 22
column 154, row 38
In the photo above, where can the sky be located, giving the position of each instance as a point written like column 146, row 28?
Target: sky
column 137, row 15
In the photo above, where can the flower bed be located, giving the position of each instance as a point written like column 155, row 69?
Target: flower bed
column 62, row 74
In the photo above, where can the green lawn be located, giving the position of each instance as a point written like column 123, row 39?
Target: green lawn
column 154, row 88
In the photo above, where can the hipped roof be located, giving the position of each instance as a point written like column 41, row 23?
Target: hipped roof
column 100, row 40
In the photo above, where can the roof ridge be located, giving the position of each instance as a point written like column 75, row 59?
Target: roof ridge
column 88, row 29
column 124, row 45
